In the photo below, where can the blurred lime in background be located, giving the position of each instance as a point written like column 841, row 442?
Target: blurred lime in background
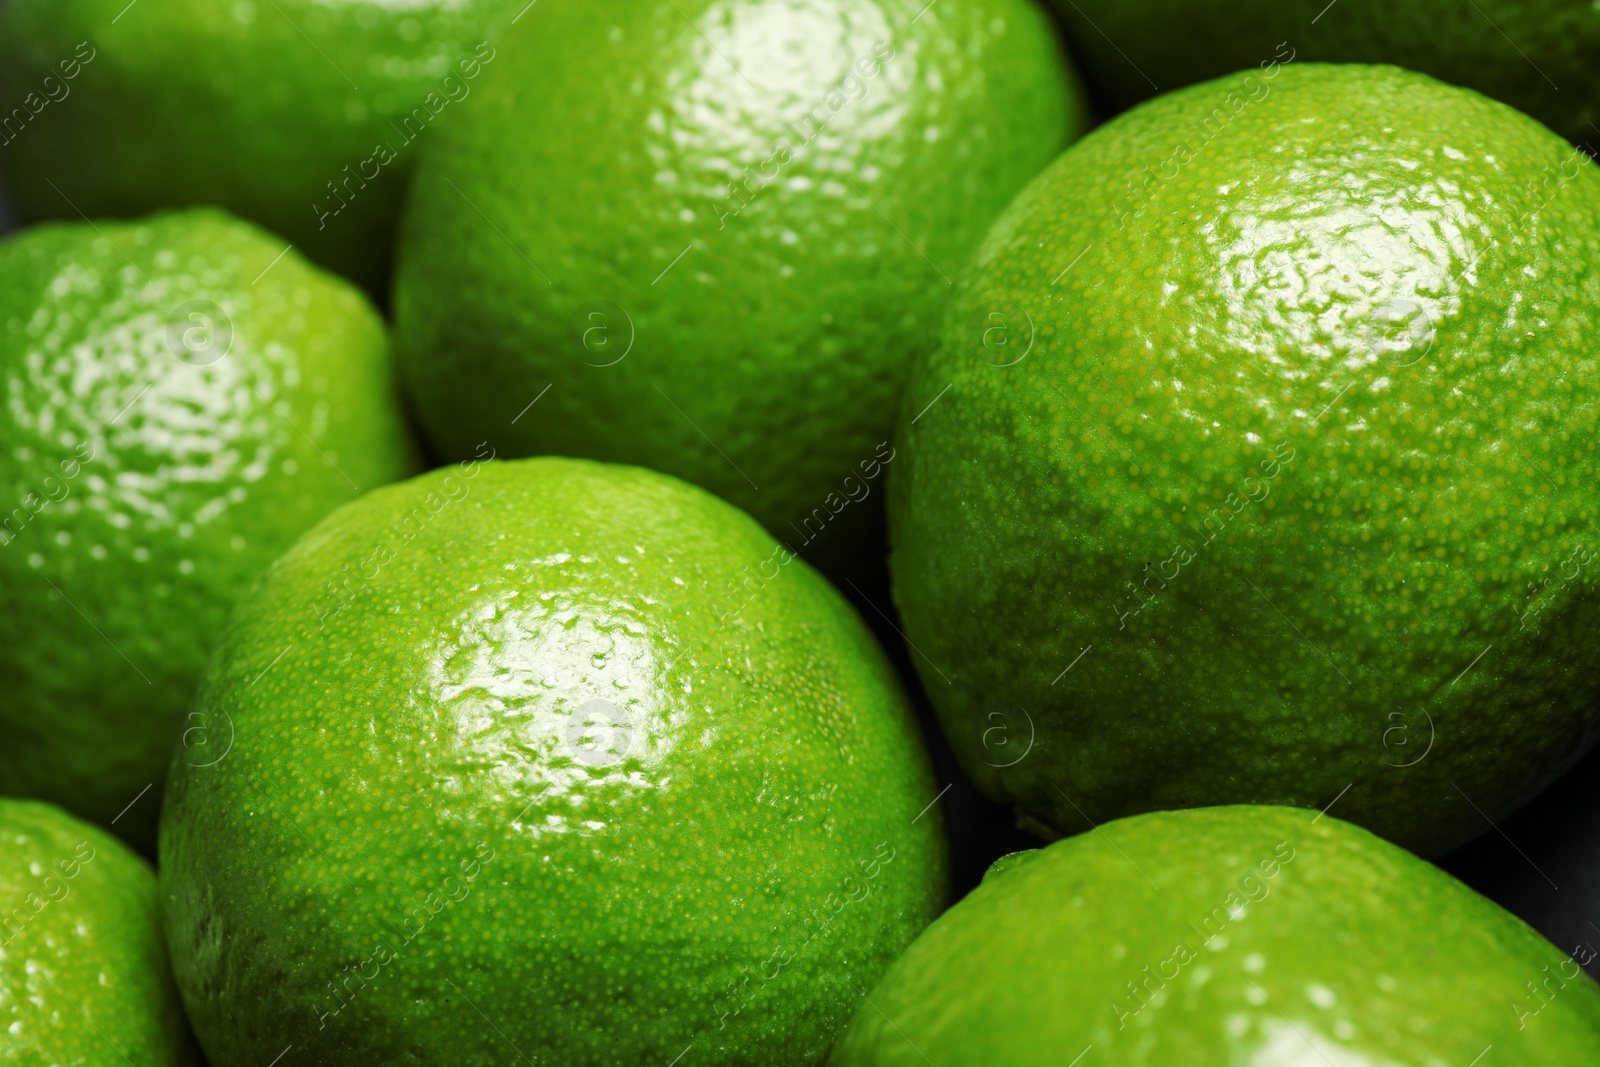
column 1537, row 56
column 298, row 115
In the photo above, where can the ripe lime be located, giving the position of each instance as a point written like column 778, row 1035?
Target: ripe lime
column 296, row 114
column 83, row 969
column 548, row 756
column 715, row 233
column 1295, row 489
column 180, row 403
column 1231, row 936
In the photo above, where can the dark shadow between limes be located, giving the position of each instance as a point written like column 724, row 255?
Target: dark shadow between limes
column 1543, row 863
column 978, row 829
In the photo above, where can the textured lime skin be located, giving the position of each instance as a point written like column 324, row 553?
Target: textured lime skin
column 1296, row 437
column 539, row 242
column 254, row 106
column 412, row 810
column 83, row 968
column 1536, row 55
column 1223, row 937
column 143, row 491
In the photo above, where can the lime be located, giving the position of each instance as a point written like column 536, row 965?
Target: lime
column 547, row 761
column 182, row 399
column 83, row 970
column 707, row 237
column 297, row 114
column 1258, row 936
column 1293, row 491
column 1537, row 56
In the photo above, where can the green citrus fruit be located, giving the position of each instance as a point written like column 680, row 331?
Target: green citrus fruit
column 180, row 404
column 1225, row 937
column 553, row 757
column 1537, row 56
column 83, row 969
column 296, row 114
column 1294, row 489
column 716, row 232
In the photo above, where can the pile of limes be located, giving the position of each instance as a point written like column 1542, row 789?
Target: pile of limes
column 459, row 460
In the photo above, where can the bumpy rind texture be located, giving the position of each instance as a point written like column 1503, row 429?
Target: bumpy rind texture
column 83, row 968
column 179, row 405
column 1226, row 936
column 1264, row 463
column 716, row 232
column 297, row 114
column 1536, row 55
column 551, row 755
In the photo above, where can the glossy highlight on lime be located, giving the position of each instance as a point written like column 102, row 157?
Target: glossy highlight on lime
column 1276, row 483
column 576, row 746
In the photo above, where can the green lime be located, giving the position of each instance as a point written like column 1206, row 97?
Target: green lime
column 545, row 762
column 83, row 970
column 1285, row 483
column 182, row 399
column 707, row 237
column 297, row 114
column 1537, row 56
column 1226, row 937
